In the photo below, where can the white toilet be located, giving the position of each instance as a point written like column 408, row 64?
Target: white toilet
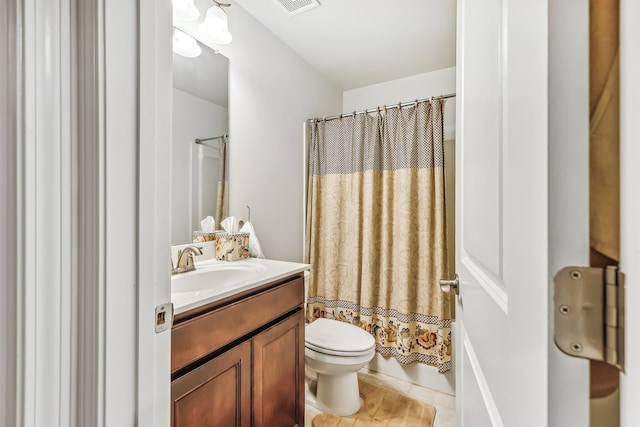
column 336, row 351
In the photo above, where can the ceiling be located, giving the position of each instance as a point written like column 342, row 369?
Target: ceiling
column 356, row 43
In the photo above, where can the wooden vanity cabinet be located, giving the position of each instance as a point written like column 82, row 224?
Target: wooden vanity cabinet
column 240, row 361
column 217, row 393
column 278, row 374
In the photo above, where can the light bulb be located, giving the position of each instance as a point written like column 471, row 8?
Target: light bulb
column 185, row 10
column 215, row 27
column 185, row 45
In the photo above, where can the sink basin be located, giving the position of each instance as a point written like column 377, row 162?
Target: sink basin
column 214, row 280
column 218, row 275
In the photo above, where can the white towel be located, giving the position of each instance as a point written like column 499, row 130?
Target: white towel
column 255, row 250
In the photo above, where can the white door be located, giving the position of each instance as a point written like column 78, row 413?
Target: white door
column 502, row 223
column 522, row 189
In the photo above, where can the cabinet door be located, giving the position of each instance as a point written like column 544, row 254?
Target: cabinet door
column 218, row 393
column 278, row 374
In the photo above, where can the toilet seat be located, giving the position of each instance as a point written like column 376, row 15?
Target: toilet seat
column 333, row 352
column 338, row 338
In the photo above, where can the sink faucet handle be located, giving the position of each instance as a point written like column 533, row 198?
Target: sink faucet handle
column 185, row 257
column 190, row 262
column 193, row 250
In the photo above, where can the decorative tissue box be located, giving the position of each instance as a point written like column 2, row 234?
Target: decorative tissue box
column 203, row 236
column 232, row 246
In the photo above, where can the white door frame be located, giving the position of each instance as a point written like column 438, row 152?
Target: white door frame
column 106, row 128
column 9, row 218
column 630, row 204
column 41, row 206
column 568, row 212
column 84, row 258
column 154, row 233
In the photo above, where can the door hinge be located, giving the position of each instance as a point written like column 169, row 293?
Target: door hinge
column 589, row 313
column 164, row 317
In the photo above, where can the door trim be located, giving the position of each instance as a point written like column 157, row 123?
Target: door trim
column 568, row 211
column 154, row 214
column 630, row 205
column 10, row 228
column 90, row 163
column 489, row 283
column 485, row 390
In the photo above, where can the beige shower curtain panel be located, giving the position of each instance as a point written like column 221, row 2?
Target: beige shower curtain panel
column 222, row 201
column 376, row 230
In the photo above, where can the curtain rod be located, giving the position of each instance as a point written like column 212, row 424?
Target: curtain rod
column 200, row 141
column 373, row 110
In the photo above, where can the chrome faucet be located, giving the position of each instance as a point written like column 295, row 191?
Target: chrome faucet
column 185, row 259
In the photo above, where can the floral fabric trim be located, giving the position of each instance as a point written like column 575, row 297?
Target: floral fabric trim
column 408, row 338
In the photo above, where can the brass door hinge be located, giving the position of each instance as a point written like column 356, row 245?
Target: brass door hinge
column 589, row 313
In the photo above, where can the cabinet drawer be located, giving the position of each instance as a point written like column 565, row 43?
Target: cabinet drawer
column 204, row 334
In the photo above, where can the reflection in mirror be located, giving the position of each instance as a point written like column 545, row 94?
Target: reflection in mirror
column 200, row 126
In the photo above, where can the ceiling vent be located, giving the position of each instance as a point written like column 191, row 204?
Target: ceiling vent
column 295, row 7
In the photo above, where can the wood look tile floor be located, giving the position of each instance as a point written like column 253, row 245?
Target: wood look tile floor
column 445, row 403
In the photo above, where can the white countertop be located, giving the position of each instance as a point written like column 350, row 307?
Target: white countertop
column 269, row 271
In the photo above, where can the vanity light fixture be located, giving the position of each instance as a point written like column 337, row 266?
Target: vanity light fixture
column 215, row 27
column 185, row 45
column 185, row 10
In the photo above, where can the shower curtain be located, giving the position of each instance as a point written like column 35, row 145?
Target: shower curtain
column 376, row 230
column 222, row 201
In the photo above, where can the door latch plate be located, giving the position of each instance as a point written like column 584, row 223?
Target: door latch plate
column 164, row 317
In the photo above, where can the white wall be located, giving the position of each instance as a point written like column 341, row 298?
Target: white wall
column 193, row 118
column 420, row 86
column 272, row 91
column 435, row 83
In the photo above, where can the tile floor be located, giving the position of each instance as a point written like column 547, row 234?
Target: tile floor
column 445, row 403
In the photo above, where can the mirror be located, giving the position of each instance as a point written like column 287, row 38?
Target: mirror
column 200, row 113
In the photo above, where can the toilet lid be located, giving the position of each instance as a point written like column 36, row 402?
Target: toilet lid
column 336, row 337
